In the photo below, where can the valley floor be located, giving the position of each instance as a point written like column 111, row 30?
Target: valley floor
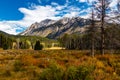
column 58, row 65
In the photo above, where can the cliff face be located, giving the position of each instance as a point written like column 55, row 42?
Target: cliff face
column 53, row 29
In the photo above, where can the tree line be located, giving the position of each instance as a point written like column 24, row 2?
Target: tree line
column 83, row 41
column 9, row 42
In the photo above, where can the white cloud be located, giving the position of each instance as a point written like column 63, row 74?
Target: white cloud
column 36, row 13
column 86, row 0
column 113, row 3
column 30, row 16
column 72, row 11
column 39, row 13
column 55, row 4
column 8, row 27
column 86, row 16
column 40, row 1
column 82, row 0
column 71, row 14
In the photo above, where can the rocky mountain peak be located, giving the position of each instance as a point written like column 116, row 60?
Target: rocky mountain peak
column 54, row 28
column 64, row 20
column 46, row 22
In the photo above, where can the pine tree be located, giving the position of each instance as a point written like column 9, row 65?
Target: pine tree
column 38, row 46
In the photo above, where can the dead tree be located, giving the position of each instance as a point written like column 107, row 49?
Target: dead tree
column 101, row 7
column 93, row 33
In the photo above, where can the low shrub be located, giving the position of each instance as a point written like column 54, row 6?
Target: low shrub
column 84, row 72
column 7, row 73
column 71, row 73
column 53, row 72
column 18, row 66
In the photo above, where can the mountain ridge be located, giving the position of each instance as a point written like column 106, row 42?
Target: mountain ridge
column 55, row 28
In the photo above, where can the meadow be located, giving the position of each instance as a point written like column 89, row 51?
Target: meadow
column 58, row 65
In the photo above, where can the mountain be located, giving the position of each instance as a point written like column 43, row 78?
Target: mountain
column 4, row 33
column 55, row 28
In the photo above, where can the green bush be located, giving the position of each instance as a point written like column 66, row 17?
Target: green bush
column 71, row 73
column 79, row 73
column 52, row 73
column 84, row 72
column 18, row 66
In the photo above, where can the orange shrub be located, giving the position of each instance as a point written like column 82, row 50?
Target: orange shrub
column 109, row 69
column 28, row 60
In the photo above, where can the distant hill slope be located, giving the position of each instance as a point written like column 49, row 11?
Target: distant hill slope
column 53, row 29
column 4, row 33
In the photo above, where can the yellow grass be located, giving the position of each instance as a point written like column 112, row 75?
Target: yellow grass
column 54, row 48
column 30, row 64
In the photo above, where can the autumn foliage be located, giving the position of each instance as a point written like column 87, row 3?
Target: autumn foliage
column 58, row 65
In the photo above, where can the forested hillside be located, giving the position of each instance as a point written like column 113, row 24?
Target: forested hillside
column 23, row 42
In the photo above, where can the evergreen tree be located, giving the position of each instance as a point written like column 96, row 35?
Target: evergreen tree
column 5, row 46
column 38, row 46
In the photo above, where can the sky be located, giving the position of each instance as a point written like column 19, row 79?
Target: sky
column 17, row 15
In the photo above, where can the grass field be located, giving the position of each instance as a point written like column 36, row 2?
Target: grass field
column 58, row 65
column 54, row 48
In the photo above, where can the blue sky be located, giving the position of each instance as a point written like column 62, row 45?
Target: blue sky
column 17, row 15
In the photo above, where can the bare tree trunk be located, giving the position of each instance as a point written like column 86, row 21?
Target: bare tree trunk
column 92, row 50
column 102, row 28
column 102, row 41
column 18, row 40
column 93, row 34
